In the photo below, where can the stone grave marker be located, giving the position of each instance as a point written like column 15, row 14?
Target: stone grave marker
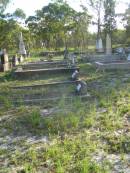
column 108, row 45
column 15, row 61
column 4, row 61
column 22, row 50
column 99, row 45
column 128, row 58
column 21, row 59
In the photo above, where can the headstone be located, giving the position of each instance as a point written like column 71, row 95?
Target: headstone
column 108, row 45
column 15, row 61
column 4, row 61
column 21, row 59
column 99, row 45
column 128, row 58
column 72, row 59
column 22, row 50
column 65, row 53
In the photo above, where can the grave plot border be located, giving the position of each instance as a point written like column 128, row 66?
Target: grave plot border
column 122, row 65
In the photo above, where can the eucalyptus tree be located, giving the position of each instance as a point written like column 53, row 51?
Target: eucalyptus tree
column 19, row 13
column 127, row 25
column 98, row 11
column 109, row 16
column 53, row 23
column 80, row 31
column 8, row 37
column 3, row 5
column 10, row 28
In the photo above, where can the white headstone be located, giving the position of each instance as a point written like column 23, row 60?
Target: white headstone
column 21, row 58
column 16, row 60
column 108, row 45
column 99, row 45
column 22, row 49
column 128, row 58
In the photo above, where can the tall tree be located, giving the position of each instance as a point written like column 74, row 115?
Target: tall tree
column 80, row 33
column 53, row 23
column 3, row 5
column 109, row 17
column 9, row 34
column 97, row 7
column 19, row 13
column 127, row 25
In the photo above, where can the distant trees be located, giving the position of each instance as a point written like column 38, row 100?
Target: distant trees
column 80, row 34
column 98, row 11
column 109, row 16
column 19, row 13
column 127, row 25
column 10, row 27
column 55, row 24
column 3, row 5
column 58, row 25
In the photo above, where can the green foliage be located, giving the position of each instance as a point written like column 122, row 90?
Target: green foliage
column 109, row 17
column 9, row 34
column 119, row 36
column 4, row 101
column 127, row 26
column 3, row 5
column 19, row 13
column 34, row 119
column 57, row 23
column 61, row 123
column 86, row 166
column 117, row 144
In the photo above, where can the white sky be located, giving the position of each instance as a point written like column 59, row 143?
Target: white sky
column 30, row 6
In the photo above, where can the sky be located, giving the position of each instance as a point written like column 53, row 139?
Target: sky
column 30, row 6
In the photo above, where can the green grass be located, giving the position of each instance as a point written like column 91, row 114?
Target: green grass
column 75, row 134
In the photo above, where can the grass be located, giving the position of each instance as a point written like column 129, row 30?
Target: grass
column 74, row 135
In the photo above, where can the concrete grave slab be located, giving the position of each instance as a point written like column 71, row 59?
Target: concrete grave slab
column 37, row 72
column 103, row 57
column 119, row 65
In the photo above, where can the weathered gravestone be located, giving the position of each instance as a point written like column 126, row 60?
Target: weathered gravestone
column 4, row 66
column 22, row 50
column 128, row 58
column 72, row 59
column 99, row 45
column 15, row 61
column 108, row 45
column 21, row 59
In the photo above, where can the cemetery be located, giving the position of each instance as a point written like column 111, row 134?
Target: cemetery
column 64, row 91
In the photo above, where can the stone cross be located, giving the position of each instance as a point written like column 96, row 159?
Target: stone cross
column 108, row 45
